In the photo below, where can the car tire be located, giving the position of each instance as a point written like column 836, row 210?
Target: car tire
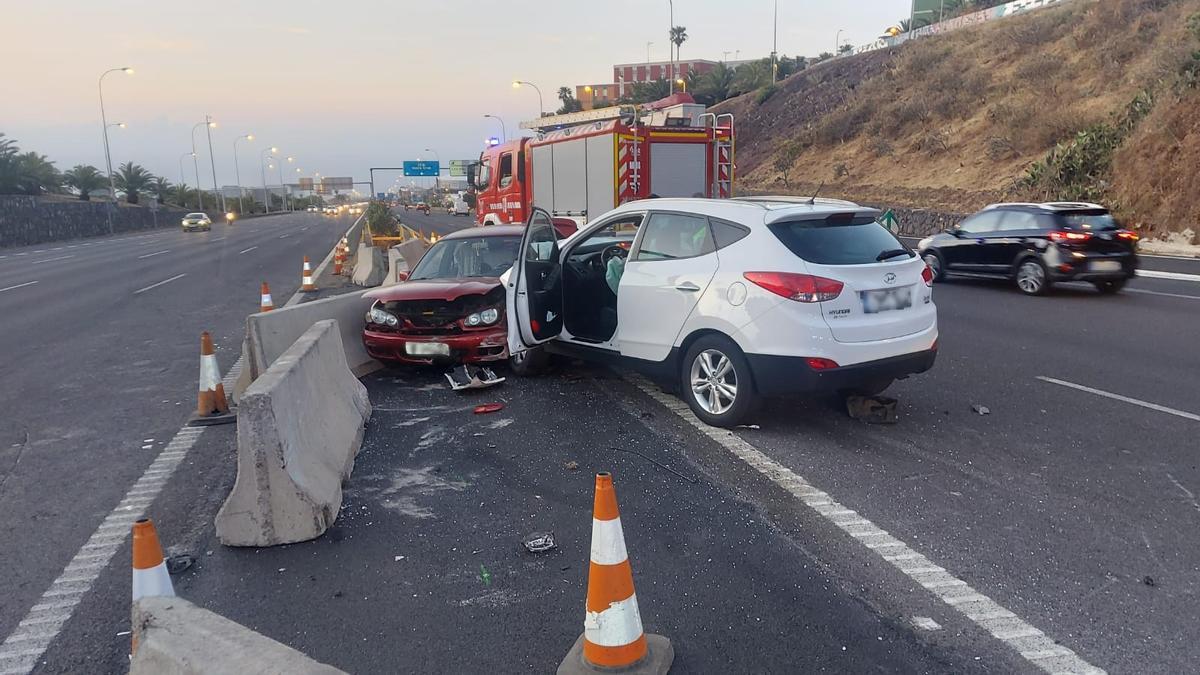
column 1110, row 286
column 934, row 260
column 1032, row 278
column 706, row 391
column 529, row 363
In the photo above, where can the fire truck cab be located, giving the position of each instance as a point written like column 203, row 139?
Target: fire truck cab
column 580, row 165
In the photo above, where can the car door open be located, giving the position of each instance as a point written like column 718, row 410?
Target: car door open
column 534, row 290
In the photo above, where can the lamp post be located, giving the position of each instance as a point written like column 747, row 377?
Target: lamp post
column 503, row 131
column 237, row 172
column 648, row 45
column 437, row 180
column 183, row 178
column 195, row 163
column 541, row 106
column 775, row 45
column 670, row 49
column 262, row 160
column 837, row 41
column 112, row 184
column 212, row 161
column 282, row 185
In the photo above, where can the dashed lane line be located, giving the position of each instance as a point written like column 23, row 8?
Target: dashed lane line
column 1176, row 276
column 50, row 260
column 1161, row 294
column 151, row 255
column 165, row 281
column 247, row 250
column 1124, row 399
column 20, row 651
column 1032, row 644
column 11, row 288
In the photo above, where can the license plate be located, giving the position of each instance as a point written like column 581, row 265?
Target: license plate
column 427, row 349
column 886, row 299
column 1105, row 266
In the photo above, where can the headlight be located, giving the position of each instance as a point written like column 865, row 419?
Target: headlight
column 489, row 316
column 382, row 318
column 473, row 320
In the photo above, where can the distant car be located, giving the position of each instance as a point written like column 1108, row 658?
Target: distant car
column 313, row 209
column 730, row 300
column 422, row 206
column 196, row 221
column 450, row 209
column 451, row 307
column 1037, row 245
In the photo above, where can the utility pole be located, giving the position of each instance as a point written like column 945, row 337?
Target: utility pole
column 212, row 161
column 775, row 45
column 671, row 48
column 648, row 44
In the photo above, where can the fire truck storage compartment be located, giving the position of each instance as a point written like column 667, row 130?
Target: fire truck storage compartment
column 575, row 177
column 678, row 169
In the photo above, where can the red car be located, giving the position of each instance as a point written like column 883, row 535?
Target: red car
column 451, row 308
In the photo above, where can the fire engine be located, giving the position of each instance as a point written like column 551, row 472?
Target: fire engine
column 580, row 165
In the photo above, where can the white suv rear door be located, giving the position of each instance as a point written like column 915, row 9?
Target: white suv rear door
column 670, row 267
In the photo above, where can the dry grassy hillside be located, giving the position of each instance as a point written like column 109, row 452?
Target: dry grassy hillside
column 1095, row 99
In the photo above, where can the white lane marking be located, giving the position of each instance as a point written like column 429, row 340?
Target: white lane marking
column 1177, row 276
column 61, row 257
column 21, row 650
column 165, row 281
column 247, row 250
column 1029, row 642
column 28, row 283
column 1165, row 295
column 151, row 255
column 284, row 236
column 1124, row 399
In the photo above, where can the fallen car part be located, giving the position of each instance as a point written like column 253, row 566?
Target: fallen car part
column 488, row 408
column 467, row 377
column 539, row 542
column 872, row 409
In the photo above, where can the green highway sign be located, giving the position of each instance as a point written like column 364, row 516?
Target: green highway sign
column 458, row 167
column 888, row 220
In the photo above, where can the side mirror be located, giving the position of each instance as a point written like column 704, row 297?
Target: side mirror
column 402, row 275
column 471, row 173
column 957, row 233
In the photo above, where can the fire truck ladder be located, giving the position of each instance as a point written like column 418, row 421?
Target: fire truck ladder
column 723, row 153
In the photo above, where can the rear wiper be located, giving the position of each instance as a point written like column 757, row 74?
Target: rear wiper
column 893, row 253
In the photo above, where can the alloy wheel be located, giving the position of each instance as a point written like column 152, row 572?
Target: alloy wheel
column 714, row 381
column 1031, row 277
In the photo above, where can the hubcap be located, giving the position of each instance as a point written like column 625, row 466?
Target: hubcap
column 714, row 381
column 1031, row 277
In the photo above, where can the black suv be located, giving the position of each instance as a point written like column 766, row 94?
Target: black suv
column 1036, row 245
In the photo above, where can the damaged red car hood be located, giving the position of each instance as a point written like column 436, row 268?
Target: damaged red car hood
column 435, row 289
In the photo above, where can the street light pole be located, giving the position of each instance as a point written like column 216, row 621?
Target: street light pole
column 212, row 160
column 262, row 159
column 196, row 163
column 237, row 172
column 503, row 131
column 282, row 185
column 437, row 180
column 112, row 184
column 648, row 45
column 837, row 41
column 775, row 46
column 670, row 50
column 541, row 106
column 183, row 178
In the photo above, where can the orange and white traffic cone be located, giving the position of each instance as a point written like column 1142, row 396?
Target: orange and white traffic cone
column 266, row 304
column 337, row 260
column 612, row 638
column 306, row 280
column 150, row 577
column 211, row 406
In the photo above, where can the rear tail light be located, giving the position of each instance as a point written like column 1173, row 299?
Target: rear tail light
column 1126, row 234
column 927, row 276
column 817, row 363
column 798, row 287
column 1060, row 236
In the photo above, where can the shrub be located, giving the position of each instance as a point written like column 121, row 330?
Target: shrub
column 765, row 93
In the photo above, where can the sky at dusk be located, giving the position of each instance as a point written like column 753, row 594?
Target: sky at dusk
column 343, row 86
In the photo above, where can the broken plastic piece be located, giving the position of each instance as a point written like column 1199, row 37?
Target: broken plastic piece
column 177, row 564
column 872, row 409
column 571, row 466
column 539, row 542
column 981, row 409
column 488, row 408
column 472, row 377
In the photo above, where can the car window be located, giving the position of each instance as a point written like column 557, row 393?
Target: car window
column 840, row 239
column 506, row 169
column 543, row 238
column 981, row 223
column 1018, row 220
column 673, row 236
column 470, row 257
column 725, row 233
column 1095, row 221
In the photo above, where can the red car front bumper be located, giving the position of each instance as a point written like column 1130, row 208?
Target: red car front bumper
column 474, row 347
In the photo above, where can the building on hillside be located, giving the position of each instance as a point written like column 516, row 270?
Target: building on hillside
column 625, row 75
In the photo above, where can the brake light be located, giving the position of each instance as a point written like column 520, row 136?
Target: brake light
column 798, row 287
column 1060, row 236
column 927, row 276
column 817, row 363
column 1126, row 234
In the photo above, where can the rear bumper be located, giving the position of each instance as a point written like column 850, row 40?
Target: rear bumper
column 1066, row 267
column 477, row 347
column 777, row 375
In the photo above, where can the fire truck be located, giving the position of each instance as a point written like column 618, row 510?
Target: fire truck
column 580, row 165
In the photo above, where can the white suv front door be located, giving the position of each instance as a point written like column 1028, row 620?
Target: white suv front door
column 671, row 266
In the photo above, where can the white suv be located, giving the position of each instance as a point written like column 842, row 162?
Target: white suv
column 732, row 299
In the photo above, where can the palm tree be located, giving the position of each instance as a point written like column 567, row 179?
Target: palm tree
column 570, row 104
column 678, row 37
column 751, row 76
column 184, row 195
column 83, row 178
column 36, row 174
column 132, row 179
column 9, row 170
column 716, row 84
column 905, row 25
column 161, row 188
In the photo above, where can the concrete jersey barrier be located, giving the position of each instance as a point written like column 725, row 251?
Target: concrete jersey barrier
column 403, row 257
column 369, row 266
column 175, row 637
column 299, row 427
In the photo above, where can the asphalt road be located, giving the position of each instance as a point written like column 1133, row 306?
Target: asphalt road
column 100, row 352
column 439, row 222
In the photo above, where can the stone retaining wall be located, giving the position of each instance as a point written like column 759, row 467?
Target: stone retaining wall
column 25, row 221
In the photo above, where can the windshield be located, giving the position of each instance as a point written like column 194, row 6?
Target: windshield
column 195, row 215
column 471, row 257
column 837, row 240
column 1094, row 221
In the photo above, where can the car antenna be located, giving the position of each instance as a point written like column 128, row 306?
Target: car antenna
column 813, row 199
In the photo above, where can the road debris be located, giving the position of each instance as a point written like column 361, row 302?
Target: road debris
column 468, row 377
column 872, row 409
column 398, row 558
column 539, row 542
column 488, row 408
column 177, row 564
column 980, row 409
column 485, row 576
column 571, row 465
column 1149, row 581
column 748, row 426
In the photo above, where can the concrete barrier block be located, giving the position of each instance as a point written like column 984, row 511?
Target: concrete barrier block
column 411, row 251
column 299, row 427
column 175, row 637
column 369, row 266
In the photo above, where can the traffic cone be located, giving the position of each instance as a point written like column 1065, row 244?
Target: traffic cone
column 266, row 304
column 150, row 577
column 337, row 260
column 306, row 281
column 211, row 406
column 612, row 638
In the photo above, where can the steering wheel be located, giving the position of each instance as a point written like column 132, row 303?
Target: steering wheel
column 613, row 252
